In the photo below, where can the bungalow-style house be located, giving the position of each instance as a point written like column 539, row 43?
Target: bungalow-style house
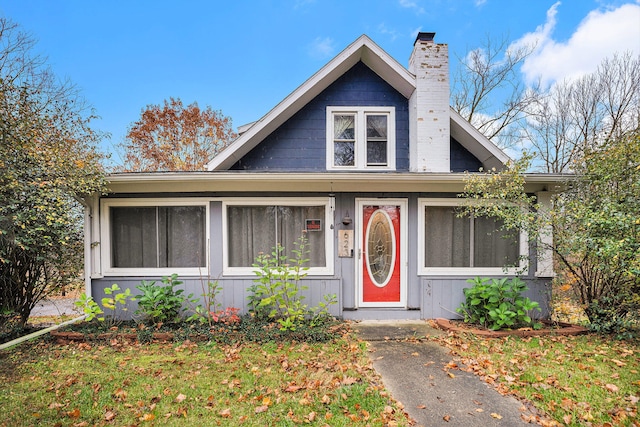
column 367, row 157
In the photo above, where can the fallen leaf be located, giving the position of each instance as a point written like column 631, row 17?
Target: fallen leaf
column 446, row 418
column 496, row 416
column 292, row 388
column 260, row 409
column 451, row 375
column 75, row 413
column 225, row 413
column 147, row 417
column 567, row 419
column 612, row 388
column 422, row 406
column 180, row 398
column 109, row 416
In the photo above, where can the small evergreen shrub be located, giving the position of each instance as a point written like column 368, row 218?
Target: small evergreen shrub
column 498, row 304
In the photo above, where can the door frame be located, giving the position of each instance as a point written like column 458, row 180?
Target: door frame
column 403, row 246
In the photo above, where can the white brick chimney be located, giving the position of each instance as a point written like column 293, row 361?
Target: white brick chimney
column 429, row 128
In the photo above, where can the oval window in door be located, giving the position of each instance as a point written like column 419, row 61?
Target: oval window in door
column 381, row 247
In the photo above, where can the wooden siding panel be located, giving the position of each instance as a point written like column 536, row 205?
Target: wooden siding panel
column 462, row 160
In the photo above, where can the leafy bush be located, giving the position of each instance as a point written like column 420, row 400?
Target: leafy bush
column 115, row 302
column 162, row 304
column 498, row 304
column 615, row 314
column 276, row 292
column 88, row 306
column 211, row 311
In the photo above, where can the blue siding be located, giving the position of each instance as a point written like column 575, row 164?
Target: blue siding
column 300, row 143
column 462, row 160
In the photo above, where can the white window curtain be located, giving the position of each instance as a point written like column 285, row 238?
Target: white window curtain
column 447, row 238
column 158, row 236
column 255, row 229
column 452, row 241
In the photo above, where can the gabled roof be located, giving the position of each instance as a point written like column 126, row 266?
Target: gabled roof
column 363, row 49
column 479, row 145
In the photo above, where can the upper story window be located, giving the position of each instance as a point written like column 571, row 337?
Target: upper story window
column 361, row 138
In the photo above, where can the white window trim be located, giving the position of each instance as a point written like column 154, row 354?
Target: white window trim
column 328, row 203
column 105, row 233
column 360, row 155
column 521, row 269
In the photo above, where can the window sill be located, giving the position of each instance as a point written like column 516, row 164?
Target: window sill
column 469, row 272
column 141, row 272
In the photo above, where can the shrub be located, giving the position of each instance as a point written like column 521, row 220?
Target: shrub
column 162, row 304
column 276, row 292
column 498, row 304
column 115, row 302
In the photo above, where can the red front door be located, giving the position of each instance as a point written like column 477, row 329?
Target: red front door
column 381, row 255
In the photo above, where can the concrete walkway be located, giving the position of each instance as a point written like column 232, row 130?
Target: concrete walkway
column 416, row 374
column 56, row 307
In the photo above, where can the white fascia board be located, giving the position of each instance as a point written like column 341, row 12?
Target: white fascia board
column 300, row 182
column 479, row 145
column 362, row 49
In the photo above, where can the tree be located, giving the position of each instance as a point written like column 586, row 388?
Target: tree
column 173, row 137
column 488, row 76
column 48, row 162
column 595, row 224
column 574, row 116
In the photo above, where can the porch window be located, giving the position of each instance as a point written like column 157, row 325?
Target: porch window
column 143, row 237
column 466, row 245
column 255, row 227
column 361, row 138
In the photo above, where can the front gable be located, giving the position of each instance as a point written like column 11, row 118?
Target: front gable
column 300, row 144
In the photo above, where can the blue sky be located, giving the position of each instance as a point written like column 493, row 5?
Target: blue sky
column 243, row 57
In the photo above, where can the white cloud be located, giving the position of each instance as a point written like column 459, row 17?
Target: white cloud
column 322, row 48
column 382, row 29
column 410, row 4
column 479, row 3
column 600, row 34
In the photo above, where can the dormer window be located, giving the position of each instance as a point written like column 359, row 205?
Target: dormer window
column 361, row 138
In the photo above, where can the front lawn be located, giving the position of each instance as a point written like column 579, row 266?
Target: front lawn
column 579, row 381
column 249, row 384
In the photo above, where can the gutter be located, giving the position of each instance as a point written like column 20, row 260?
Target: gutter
column 40, row 332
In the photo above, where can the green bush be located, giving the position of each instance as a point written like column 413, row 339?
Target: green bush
column 275, row 294
column 498, row 304
column 162, row 304
column 618, row 315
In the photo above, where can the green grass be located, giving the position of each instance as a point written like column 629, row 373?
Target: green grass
column 193, row 384
column 581, row 380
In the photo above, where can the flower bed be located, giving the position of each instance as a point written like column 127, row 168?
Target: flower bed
column 550, row 328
